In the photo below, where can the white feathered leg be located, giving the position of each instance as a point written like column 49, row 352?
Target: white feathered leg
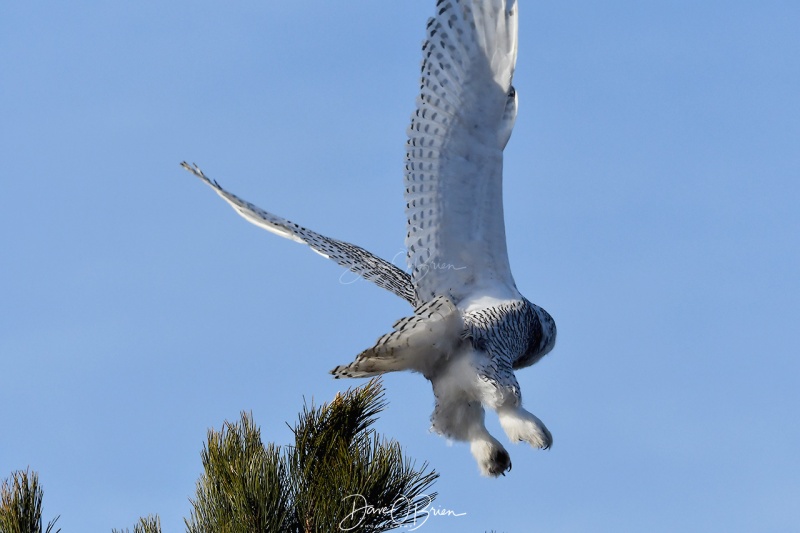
column 506, row 400
column 493, row 460
column 522, row 426
column 459, row 415
column 464, row 421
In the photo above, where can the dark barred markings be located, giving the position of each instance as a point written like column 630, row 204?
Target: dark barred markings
column 356, row 259
column 361, row 262
column 446, row 54
column 513, row 333
column 393, row 352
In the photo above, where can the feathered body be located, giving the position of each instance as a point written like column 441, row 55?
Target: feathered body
column 471, row 328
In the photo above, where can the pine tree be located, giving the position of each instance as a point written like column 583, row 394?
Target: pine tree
column 339, row 475
column 21, row 504
column 151, row 524
column 338, row 464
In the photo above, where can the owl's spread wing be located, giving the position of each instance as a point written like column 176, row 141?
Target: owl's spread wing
column 354, row 258
column 454, row 161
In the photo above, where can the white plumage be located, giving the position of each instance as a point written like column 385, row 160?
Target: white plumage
column 471, row 328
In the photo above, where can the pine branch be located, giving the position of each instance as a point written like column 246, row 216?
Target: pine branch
column 339, row 462
column 243, row 487
column 151, row 524
column 21, row 504
column 337, row 459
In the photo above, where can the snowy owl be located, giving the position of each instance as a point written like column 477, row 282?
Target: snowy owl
column 471, row 328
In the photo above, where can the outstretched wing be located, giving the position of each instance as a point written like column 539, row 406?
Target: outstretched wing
column 354, row 258
column 454, row 160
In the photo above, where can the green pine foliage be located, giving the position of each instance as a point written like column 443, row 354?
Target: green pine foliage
column 21, row 504
column 338, row 463
column 151, row 524
column 244, row 484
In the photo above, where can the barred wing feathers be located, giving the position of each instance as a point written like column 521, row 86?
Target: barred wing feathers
column 350, row 256
column 454, row 160
column 418, row 342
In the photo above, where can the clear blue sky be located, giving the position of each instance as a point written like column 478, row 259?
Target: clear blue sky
column 652, row 190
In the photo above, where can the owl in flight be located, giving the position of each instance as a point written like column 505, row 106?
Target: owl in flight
column 471, row 328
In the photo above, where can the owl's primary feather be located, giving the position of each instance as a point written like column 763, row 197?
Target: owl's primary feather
column 471, row 328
